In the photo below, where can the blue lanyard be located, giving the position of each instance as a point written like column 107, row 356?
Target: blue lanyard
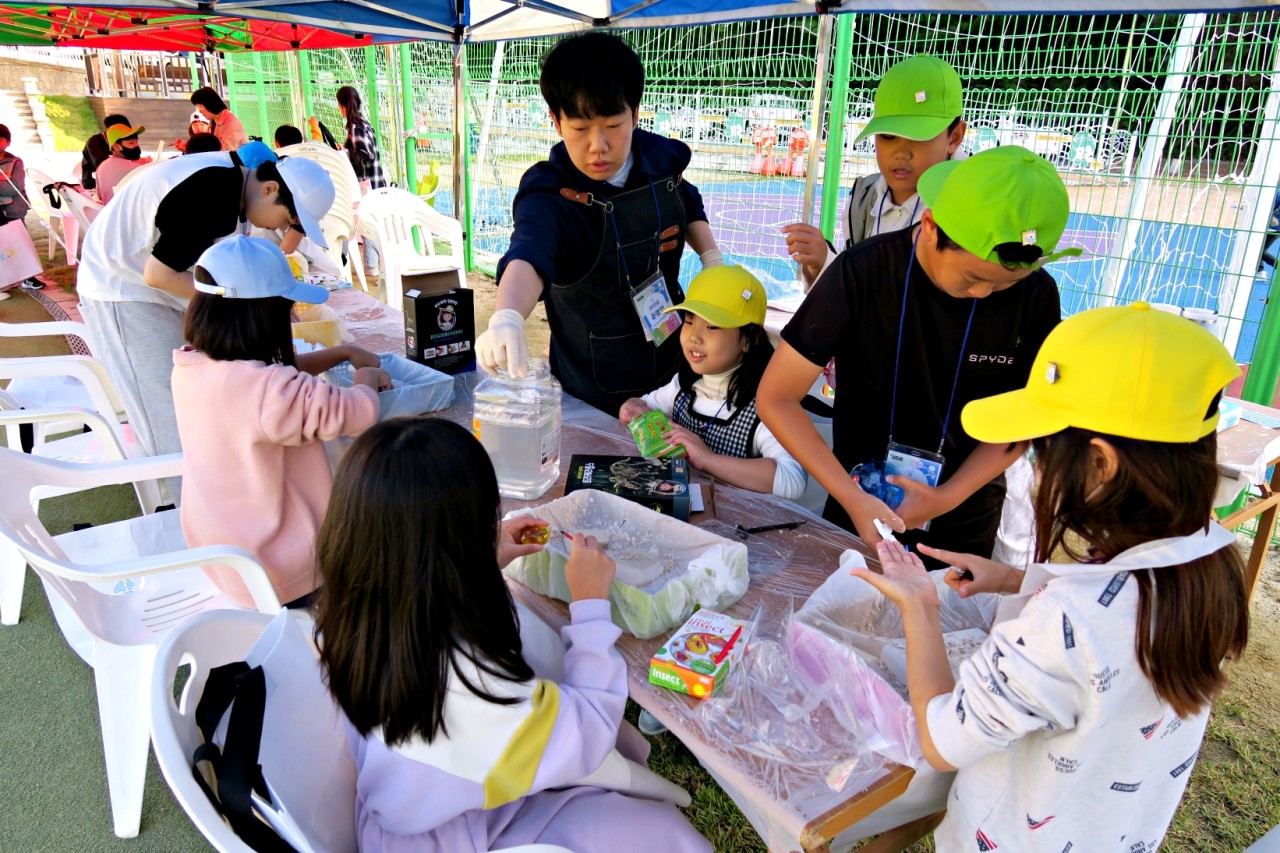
column 897, row 355
column 880, row 212
column 617, row 236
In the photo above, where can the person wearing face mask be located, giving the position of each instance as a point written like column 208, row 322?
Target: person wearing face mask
column 135, row 278
column 599, row 231
column 126, row 155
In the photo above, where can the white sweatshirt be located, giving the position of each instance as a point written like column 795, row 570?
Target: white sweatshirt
column 1062, row 744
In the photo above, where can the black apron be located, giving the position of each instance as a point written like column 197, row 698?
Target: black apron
column 598, row 349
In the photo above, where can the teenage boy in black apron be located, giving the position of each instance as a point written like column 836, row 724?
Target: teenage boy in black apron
column 920, row 322
column 599, row 231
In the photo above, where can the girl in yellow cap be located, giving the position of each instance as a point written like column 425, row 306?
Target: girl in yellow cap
column 712, row 398
column 1076, row 725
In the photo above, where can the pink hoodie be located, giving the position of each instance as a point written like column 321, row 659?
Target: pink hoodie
column 254, row 471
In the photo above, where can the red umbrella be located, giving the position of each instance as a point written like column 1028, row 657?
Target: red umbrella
column 159, row 29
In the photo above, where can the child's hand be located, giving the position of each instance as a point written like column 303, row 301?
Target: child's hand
column 863, row 513
column 806, row 245
column 180, row 144
column 631, row 410
column 589, row 571
column 983, row 575
column 375, row 377
column 360, row 357
column 509, row 545
column 695, row 447
column 904, row 580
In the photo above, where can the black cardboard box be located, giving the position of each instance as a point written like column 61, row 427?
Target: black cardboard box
column 661, row 485
column 439, row 322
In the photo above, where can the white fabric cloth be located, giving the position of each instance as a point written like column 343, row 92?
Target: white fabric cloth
column 709, row 400
column 1061, row 742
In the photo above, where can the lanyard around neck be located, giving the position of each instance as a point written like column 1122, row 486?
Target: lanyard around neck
column 897, row 355
column 617, row 235
column 880, row 212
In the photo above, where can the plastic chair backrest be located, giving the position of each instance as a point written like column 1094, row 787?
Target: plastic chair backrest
column 205, row 641
column 102, row 613
column 85, row 209
column 339, row 224
column 396, row 214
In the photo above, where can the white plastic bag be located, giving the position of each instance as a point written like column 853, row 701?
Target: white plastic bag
column 675, row 567
column 19, row 259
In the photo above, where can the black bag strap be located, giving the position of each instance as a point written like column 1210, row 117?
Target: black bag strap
column 236, row 771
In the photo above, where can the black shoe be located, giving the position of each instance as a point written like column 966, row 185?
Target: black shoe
column 32, row 284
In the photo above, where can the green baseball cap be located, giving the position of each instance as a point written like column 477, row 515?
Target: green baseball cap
column 117, row 132
column 1003, row 195
column 917, row 99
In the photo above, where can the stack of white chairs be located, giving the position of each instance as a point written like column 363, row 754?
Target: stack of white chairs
column 397, row 217
column 339, row 224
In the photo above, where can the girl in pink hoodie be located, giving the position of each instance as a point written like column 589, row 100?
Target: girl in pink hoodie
column 252, row 416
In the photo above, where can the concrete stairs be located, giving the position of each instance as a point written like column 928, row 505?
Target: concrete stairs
column 15, row 113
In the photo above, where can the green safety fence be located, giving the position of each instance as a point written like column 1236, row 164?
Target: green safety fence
column 1164, row 128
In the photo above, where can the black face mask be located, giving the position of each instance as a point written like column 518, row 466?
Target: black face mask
column 131, row 153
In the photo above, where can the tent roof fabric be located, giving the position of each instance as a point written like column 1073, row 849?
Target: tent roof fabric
column 214, row 24
column 159, row 29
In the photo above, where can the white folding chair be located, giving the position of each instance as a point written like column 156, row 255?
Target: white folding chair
column 81, row 206
column 126, row 584
column 396, row 216
column 61, row 224
column 339, row 224
column 214, row 639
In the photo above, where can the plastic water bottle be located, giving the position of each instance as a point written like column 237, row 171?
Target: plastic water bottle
column 518, row 422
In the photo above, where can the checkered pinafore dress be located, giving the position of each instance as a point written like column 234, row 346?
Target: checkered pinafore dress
column 733, row 437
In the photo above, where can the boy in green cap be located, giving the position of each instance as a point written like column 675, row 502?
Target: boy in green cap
column 917, row 124
column 920, row 322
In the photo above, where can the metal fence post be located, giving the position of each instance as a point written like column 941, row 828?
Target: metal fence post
column 260, row 91
column 835, row 128
column 1264, row 370
column 304, row 72
column 410, row 123
column 371, row 94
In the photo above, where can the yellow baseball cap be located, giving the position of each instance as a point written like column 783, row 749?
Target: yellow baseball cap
column 117, row 132
column 1128, row 371
column 725, row 296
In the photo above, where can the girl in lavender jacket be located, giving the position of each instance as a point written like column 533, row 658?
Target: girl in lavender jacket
column 457, row 745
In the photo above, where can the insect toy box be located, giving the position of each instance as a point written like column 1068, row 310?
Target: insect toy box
column 698, row 657
column 439, row 324
column 662, row 485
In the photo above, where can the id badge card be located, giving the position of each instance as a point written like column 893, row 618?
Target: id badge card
column 915, row 464
column 650, row 299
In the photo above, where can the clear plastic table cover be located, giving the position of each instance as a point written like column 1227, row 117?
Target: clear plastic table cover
column 781, row 755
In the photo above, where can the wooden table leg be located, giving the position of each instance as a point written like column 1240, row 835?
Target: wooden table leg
column 901, row 837
column 1261, row 539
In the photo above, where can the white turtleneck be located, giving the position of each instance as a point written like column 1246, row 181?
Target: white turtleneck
column 710, row 393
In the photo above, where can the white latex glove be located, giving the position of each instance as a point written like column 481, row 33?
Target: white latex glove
column 711, row 258
column 504, row 344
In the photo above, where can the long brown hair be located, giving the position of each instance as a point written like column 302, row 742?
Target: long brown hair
column 1190, row 618
column 408, row 562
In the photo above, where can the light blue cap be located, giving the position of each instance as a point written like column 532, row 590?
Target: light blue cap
column 253, row 268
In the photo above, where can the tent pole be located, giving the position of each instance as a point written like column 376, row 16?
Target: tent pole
column 1126, row 239
column 825, row 23
column 260, row 90
column 495, row 72
column 835, row 128
column 1264, row 370
column 406, row 111
column 371, row 94
column 304, row 75
column 293, row 71
column 462, row 154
